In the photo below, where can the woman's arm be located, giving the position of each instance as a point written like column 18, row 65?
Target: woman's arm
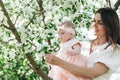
column 54, row 53
column 90, row 73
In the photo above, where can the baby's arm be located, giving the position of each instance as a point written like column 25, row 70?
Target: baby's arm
column 76, row 48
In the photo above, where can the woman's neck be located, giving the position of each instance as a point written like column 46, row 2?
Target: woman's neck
column 100, row 41
column 97, row 42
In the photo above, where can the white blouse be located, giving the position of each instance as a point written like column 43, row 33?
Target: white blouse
column 110, row 57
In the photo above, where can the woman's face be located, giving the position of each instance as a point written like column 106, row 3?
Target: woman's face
column 99, row 27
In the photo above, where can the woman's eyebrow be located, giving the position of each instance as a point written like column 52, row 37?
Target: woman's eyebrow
column 99, row 20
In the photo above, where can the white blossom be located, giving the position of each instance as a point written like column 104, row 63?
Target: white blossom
column 1, row 73
column 39, row 56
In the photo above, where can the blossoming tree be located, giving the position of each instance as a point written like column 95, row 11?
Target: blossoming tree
column 28, row 31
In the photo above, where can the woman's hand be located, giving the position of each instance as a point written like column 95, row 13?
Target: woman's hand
column 52, row 59
column 54, row 53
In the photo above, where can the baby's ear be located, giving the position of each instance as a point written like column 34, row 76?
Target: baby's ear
column 72, row 35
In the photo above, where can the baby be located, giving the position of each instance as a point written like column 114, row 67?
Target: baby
column 69, row 51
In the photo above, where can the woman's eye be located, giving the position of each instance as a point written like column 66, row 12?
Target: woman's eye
column 62, row 33
column 100, row 23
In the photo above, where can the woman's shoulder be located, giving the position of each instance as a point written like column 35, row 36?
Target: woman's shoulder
column 116, row 50
column 114, row 58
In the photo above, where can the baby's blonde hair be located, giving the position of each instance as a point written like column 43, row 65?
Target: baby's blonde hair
column 67, row 24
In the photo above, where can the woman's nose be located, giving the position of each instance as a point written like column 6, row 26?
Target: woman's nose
column 94, row 24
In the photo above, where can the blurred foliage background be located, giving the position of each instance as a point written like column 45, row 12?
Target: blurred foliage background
column 30, row 27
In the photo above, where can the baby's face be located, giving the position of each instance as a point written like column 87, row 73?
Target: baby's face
column 64, row 35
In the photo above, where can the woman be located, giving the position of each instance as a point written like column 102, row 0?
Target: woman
column 104, row 51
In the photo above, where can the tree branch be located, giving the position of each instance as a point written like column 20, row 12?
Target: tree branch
column 117, row 4
column 16, row 19
column 109, row 3
column 6, row 42
column 11, row 25
column 6, row 26
column 36, row 68
column 40, row 4
column 30, row 21
column 2, row 42
column 28, row 3
column 14, row 31
column 33, row 18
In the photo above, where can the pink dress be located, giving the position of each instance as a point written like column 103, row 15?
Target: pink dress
column 57, row 73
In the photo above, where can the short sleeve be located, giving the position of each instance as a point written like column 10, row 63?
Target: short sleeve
column 76, row 48
column 111, row 58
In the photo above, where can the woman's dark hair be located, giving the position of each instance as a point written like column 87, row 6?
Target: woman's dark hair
column 111, row 21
